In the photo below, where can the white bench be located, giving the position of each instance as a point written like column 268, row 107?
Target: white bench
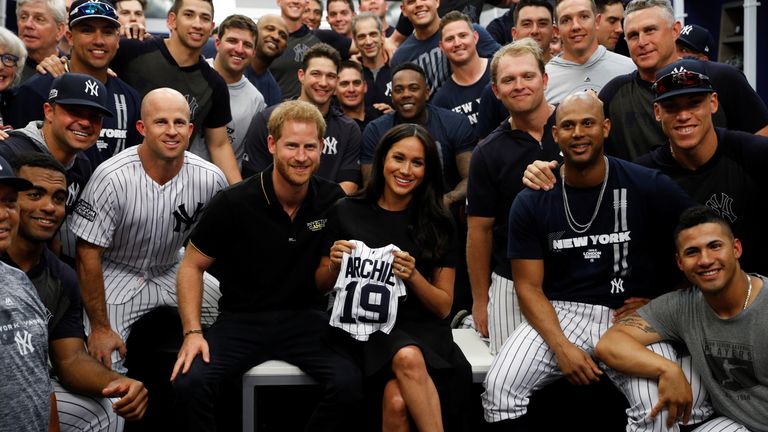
column 280, row 373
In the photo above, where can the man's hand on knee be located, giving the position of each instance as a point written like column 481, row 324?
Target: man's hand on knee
column 102, row 342
column 193, row 345
column 577, row 366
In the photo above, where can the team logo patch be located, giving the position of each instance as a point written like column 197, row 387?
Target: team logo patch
column 85, row 210
column 316, row 225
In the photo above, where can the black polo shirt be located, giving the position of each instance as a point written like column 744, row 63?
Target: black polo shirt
column 265, row 261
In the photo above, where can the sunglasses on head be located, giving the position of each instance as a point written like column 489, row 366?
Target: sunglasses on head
column 91, row 9
column 680, row 80
column 9, row 60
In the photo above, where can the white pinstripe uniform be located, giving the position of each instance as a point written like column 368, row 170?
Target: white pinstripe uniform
column 142, row 227
column 525, row 362
column 367, row 291
column 86, row 413
column 504, row 314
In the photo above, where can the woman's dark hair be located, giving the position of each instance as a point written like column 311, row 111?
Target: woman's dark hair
column 429, row 221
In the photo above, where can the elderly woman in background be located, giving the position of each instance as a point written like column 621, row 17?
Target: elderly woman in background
column 12, row 58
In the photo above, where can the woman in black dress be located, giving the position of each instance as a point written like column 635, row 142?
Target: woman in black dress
column 425, row 375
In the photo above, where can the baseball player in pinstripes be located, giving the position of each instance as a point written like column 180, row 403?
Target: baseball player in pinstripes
column 132, row 220
column 518, row 81
column 581, row 261
column 367, row 291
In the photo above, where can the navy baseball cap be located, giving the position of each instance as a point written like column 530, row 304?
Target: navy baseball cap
column 8, row 177
column 81, row 10
column 79, row 89
column 681, row 77
column 696, row 38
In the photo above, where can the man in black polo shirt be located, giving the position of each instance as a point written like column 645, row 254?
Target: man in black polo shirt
column 341, row 145
column 270, row 306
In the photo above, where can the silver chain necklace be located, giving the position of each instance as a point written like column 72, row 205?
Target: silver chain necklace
column 575, row 226
column 749, row 292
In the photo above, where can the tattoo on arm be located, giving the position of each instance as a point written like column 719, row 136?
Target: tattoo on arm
column 636, row 321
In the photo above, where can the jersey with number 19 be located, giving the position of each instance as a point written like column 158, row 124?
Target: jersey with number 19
column 367, row 291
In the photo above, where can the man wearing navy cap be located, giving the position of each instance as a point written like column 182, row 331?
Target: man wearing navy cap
column 26, row 389
column 695, row 41
column 720, row 168
column 76, row 105
column 93, row 34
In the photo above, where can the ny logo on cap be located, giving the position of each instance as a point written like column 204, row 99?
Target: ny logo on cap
column 92, row 88
column 678, row 70
column 686, row 30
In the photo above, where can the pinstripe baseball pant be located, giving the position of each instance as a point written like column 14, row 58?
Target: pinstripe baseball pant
column 85, row 413
column 525, row 364
column 131, row 295
column 504, row 314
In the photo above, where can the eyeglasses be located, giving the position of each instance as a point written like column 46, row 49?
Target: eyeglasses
column 680, row 80
column 93, row 9
column 9, row 60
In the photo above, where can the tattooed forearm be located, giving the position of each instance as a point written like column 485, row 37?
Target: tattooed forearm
column 636, row 321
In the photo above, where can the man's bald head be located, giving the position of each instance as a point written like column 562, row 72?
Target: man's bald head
column 580, row 130
column 582, row 100
column 162, row 97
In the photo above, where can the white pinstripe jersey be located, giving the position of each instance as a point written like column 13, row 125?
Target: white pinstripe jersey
column 367, row 291
column 141, row 224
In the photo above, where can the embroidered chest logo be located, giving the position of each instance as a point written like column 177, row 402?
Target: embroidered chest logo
column 182, row 217
column 316, row 225
column 330, row 146
column 24, row 342
column 193, row 105
column 617, row 286
column 73, row 191
column 298, row 52
column 723, row 205
column 92, row 88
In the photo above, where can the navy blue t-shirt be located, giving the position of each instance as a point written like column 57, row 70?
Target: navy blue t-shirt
column 501, row 28
column 463, row 99
column 627, row 252
column 492, row 112
column 117, row 132
column 266, row 85
column 379, row 85
column 339, row 162
column 77, row 174
column 733, row 183
column 451, row 131
column 427, row 54
column 497, row 165
column 57, row 287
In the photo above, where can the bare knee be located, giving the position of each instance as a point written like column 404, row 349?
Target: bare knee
column 394, row 410
column 408, row 363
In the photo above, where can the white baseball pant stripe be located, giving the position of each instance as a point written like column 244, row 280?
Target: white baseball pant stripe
column 152, row 293
column 85, row 413
column 504, row 313
column 525, row 364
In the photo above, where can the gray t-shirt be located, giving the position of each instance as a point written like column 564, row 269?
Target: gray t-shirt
column 245, row 101
column 26, row 387
column 567, row 77
column 731, row 355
